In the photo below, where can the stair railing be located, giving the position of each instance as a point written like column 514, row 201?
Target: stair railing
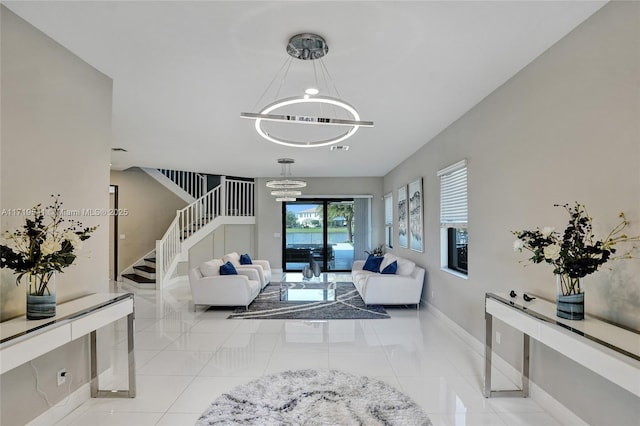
column 195, row 184
column 231, row 198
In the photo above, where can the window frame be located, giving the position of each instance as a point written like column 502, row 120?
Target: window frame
column 388, row 220
column 454, row 211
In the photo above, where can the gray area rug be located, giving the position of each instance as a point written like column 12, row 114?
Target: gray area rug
column 347, row 305
column 314, row 397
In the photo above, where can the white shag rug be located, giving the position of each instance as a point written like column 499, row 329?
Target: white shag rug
column 314, row 397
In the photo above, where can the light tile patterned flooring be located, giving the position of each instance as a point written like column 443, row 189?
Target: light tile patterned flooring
column 186, row 359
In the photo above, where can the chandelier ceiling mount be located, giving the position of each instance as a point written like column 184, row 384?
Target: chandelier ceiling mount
column 308, row 47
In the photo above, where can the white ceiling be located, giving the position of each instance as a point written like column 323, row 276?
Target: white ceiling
column 183, row 71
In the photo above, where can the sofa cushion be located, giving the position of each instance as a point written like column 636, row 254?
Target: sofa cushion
column 228, row 269
column 359, row 275
column 373, row 263
column 390, row 268
column 405, row 266
column 233, row 257
column 211, row 267
column 245, row 259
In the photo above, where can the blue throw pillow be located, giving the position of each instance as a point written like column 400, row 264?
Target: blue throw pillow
column 245, row 259
column 373, row 263
column 390, row 268
column 228, row 269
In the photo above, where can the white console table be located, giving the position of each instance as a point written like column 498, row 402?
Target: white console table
column 611, row 351
column 22, row 340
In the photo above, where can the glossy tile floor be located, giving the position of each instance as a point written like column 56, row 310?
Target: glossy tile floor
column 186, row 359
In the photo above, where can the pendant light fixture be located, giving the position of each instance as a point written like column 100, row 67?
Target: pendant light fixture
column 286, row 189
column 308, row 47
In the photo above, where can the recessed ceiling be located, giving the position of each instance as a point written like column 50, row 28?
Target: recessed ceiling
column 183, row 71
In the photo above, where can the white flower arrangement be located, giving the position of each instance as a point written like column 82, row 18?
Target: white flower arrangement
column 42, row 246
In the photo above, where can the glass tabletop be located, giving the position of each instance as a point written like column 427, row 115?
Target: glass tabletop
column 325, row 277
column 307, row 295
column 308, row 291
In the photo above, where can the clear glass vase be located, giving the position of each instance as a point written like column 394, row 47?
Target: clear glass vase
column 41, row 295
column 569, row 297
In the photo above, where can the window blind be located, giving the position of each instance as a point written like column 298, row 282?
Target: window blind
column 453, row 195
column 388, row 209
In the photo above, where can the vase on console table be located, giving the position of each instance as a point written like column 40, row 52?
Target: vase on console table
column 307, row 272
column 569, row 298
column 315, row 268
column 41, row 295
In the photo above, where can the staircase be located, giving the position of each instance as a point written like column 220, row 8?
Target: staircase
column 144, row 274
column 187, row 185
column 231, row 202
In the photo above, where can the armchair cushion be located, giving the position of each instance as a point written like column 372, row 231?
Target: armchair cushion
column 211, row 268
column 233, row 257
column 405, row 266
column 390, row 268
column 245, row 259
column 228, row 269
column 373, row 263
column 261, row 266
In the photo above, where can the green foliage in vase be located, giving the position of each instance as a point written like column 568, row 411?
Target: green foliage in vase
column 575, row 253
column 378, row 251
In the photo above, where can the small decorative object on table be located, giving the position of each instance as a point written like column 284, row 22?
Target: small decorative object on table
column 574, row 254
column 315, row 268
column 307, row 272
column 42, row 247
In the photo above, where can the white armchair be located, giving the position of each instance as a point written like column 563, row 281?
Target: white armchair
column 261, row 266
column 210, row 288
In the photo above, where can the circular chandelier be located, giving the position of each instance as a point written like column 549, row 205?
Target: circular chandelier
column 308, row 47
column 285, row 184
column 286, row 189
column 286, row 193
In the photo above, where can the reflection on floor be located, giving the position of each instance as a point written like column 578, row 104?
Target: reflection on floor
column 186, row 359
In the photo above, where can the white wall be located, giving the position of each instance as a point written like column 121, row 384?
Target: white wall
column 56, row 120
column 565, row 129
column 224, row 239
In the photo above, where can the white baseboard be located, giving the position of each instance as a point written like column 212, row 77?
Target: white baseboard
column 56, row 413
column 536, row 393
column 63, row 408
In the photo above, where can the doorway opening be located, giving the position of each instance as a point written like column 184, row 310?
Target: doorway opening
column 113, row 233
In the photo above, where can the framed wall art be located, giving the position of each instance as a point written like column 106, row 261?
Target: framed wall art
column 403, row 234
column 415, row 215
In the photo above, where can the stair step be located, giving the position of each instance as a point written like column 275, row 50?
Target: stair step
column 138, row 281
column 150, row 259
column 145, row 271
column 145, row 268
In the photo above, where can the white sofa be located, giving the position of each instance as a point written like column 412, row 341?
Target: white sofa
column 262, row 267
column 210, row 288
column 402, row 288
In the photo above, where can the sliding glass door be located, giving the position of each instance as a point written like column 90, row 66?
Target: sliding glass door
column 320, row 230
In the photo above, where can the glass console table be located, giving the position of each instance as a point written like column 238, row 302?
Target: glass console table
column 295, row 288
column 22, row 340
column 611, row 351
